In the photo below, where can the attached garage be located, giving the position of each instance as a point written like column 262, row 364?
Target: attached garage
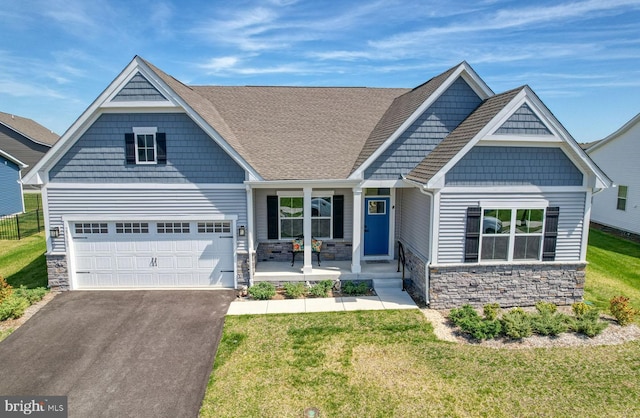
column 153, row 254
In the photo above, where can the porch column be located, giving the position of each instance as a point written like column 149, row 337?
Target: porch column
column 249, row 232
column 357, row 230
column 306, row 230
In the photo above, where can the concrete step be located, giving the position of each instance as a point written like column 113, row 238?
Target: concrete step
column 387, row 283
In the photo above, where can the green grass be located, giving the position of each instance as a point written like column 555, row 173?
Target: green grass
column 5, row 333
column 22, row 262
column 388, row 363
column 32, row 201
column 614, row 269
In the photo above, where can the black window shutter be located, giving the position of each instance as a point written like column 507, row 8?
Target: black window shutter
column 472, row 235
column 550, row 234
column 130, row 147
column 161, row 146
column 272, row 217
column 338, row 216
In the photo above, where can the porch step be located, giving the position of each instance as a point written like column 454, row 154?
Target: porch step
column 387, row 283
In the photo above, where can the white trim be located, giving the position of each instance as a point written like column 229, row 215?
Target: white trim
column 514, row 189
column 519, row 204
column 512, row 230
column 13, row 159
column 299, row 184
column 127, row 106
column 463, row 70
column 141, row 109
column 147, row 186
column 569, row 146
column 249, row 237
column 588, row 201
column 382, row 184
column 145, row 130
column 150, row 130
column 300, row 193
column 520, row 140
column 150, row 218
column 357, row 230
column 45, row 215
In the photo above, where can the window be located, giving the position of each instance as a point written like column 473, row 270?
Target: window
column 145, row 143
column 91, row 228
column 132, row 228
column 511, row 234
column 223, row 227
column 173, row 227
column 291, row 214
column 622, row 198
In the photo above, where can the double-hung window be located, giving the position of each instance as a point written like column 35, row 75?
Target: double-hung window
column 146, row 151
column 622, row 198
column 512, row 234
column 291, row 214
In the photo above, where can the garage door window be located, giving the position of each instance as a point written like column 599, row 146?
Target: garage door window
column 173, row 227
column 214, row 227
column 91, row 228
column 132, row 228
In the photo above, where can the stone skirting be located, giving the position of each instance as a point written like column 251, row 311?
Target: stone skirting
column 509, row 284
column 242, row 262
column 58, row 272
column 415, row 268
column 281, row 251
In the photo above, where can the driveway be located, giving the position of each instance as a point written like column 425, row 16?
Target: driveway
column 118, row 353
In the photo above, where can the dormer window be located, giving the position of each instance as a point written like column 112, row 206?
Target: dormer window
column 146, row 146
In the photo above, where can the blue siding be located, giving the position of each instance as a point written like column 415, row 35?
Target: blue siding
column 442, row 117
column 499, row 166
column 192, row 156
column 10, row 191
column 138, row 89
column 523, row 122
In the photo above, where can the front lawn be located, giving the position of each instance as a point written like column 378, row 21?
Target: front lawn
column 388, row 363
column 22, row 262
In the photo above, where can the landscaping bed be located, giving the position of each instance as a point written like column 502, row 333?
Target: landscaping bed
column 299, row 290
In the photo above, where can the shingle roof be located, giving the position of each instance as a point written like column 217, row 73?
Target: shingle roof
column 300, row 132
column 29, row 129
column 401, row 108
column 453, row 143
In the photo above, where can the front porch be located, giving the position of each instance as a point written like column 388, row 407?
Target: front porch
column 279, row 271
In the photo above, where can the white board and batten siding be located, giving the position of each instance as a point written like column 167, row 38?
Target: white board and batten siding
column 453, row 208
column 415, row 213
column 135, row 203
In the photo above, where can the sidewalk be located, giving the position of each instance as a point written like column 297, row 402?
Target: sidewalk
column 386, row 299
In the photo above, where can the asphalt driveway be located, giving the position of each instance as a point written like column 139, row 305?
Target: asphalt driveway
column 118, row 353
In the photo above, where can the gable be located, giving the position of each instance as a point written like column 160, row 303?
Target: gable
column 523, row 122
column 514, row 166
column 138, row 89
column 99, row 155
column 429, row 129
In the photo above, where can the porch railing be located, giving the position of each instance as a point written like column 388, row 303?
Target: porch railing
column 401, row 261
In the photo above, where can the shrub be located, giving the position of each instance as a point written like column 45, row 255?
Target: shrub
column 321, row 289
column 32, row 295
column 294, row 290
column 622, row 311
column 13, row 307
column 548, row 323
column 589, row 323
column 262, row 291
column 471, row 323
column 516, row 324
column 546, row 307
column 491, row 311
column 5, row 289
column 580, row 308
column 352, row 289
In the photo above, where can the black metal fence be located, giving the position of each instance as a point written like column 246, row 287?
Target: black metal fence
column 21, row 225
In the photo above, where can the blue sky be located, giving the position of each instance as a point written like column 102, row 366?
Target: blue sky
column 581, row 57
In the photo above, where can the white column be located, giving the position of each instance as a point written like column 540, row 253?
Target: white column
column 306, row 228
column 357, row 230
column 249, row 231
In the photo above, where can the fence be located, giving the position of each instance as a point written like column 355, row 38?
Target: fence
column 21, row 225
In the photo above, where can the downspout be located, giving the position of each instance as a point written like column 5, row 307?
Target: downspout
column 426, row 192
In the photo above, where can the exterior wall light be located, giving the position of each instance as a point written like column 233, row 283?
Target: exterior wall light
column 242, row 231
column 54, row 232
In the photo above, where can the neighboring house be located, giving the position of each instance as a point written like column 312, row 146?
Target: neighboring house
column 159, row 184
column 23, row 142
column 619, row 156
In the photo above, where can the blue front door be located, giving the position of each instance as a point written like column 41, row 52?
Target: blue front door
column 376, row 226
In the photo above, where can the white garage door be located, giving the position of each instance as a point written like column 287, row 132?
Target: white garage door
column 153, row 254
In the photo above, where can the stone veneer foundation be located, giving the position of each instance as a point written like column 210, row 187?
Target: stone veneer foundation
column 508, row 285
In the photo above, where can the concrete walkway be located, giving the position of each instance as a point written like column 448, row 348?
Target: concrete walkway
column 386, row 298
